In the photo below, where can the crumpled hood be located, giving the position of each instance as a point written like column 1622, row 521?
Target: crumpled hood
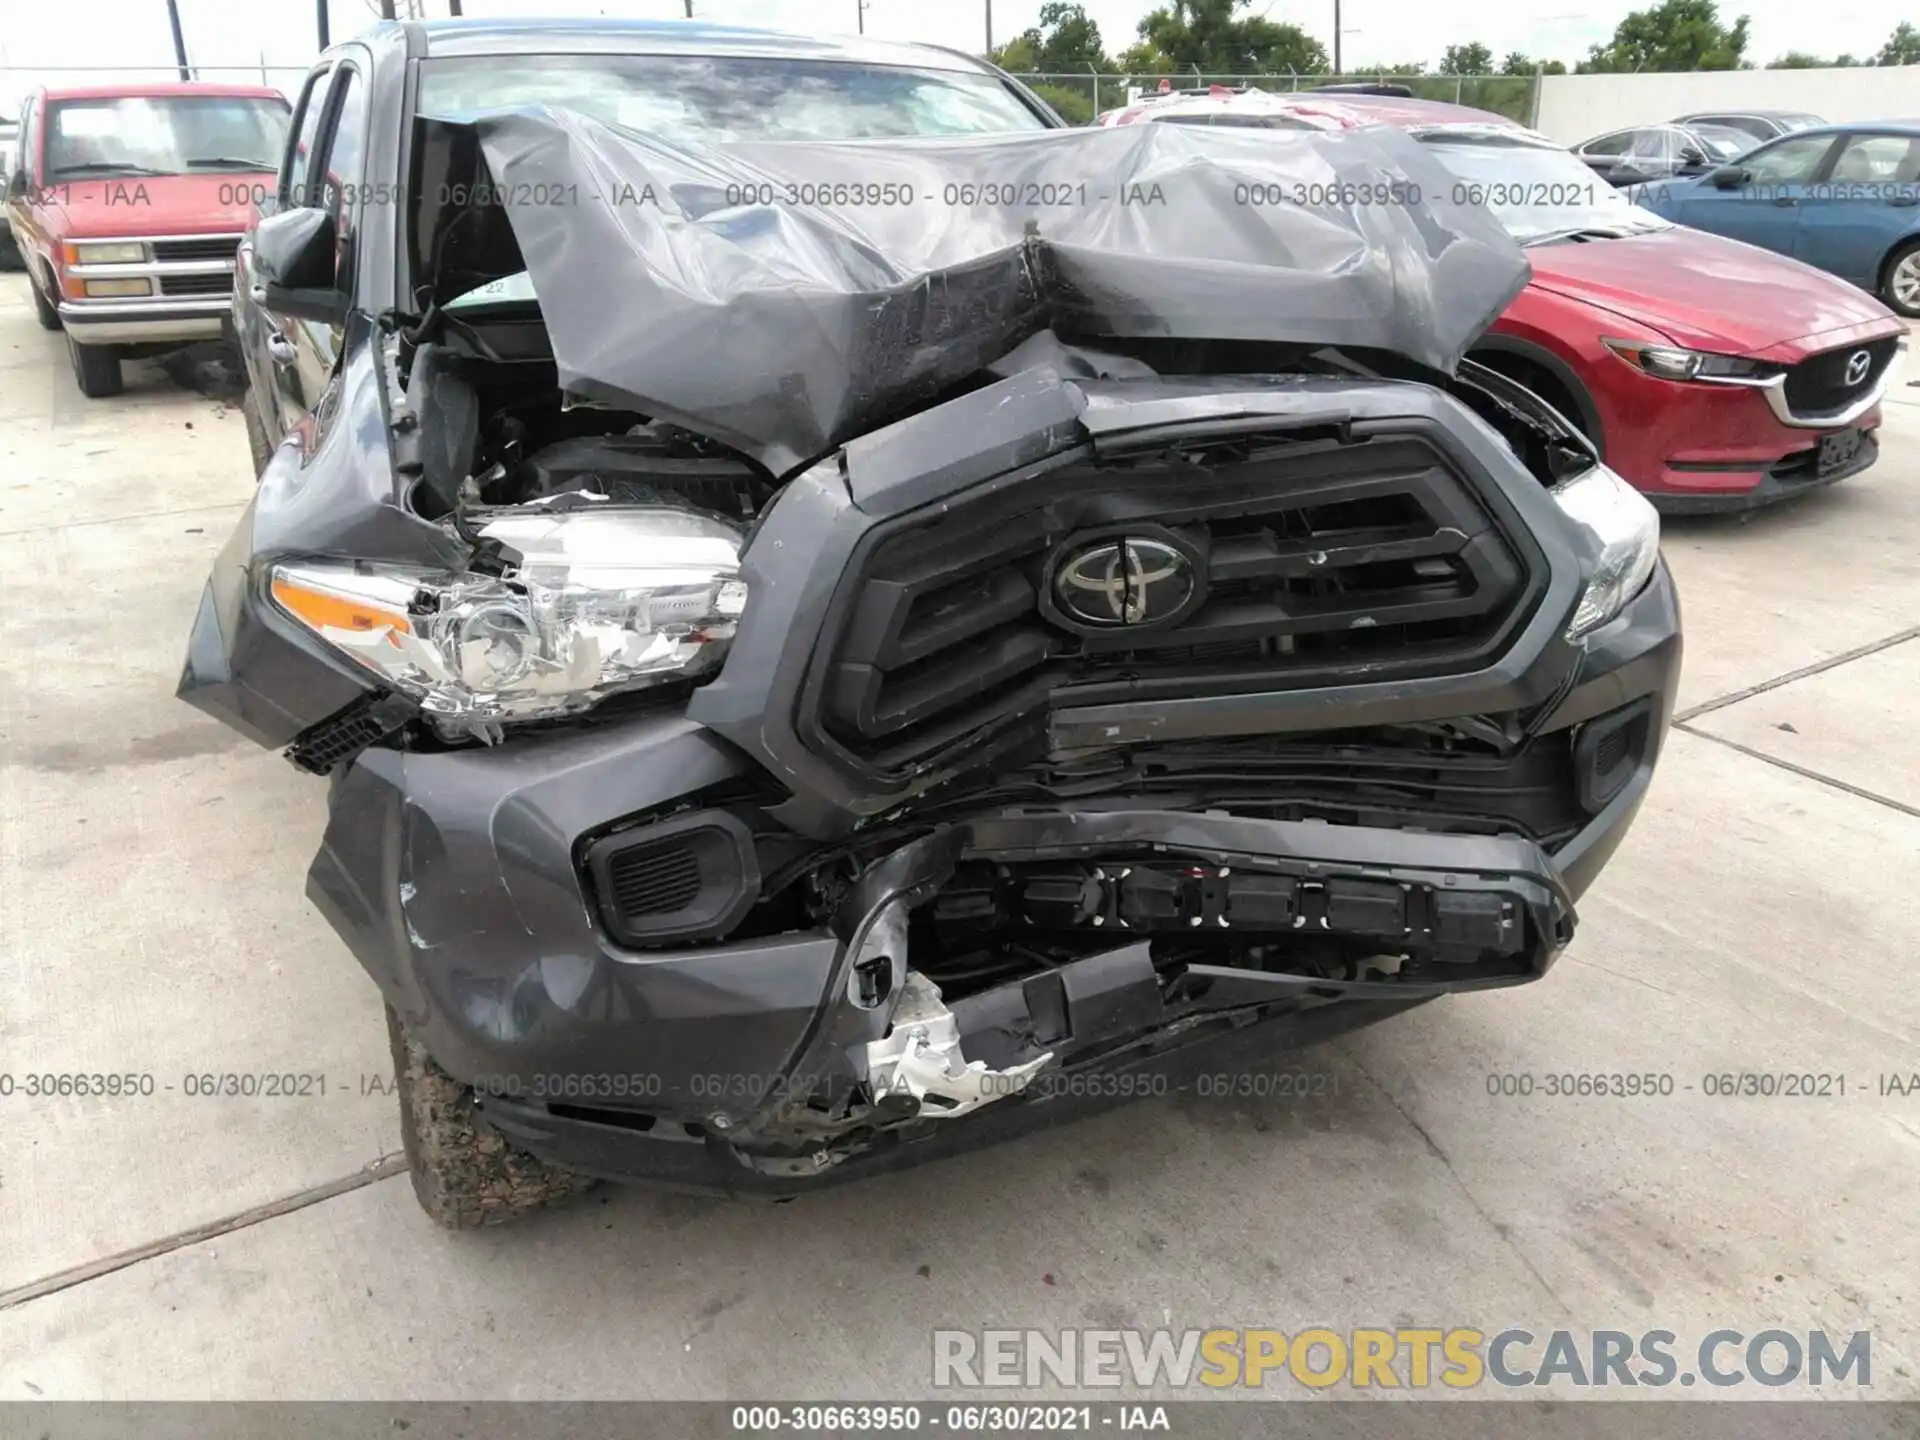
column 784, row 297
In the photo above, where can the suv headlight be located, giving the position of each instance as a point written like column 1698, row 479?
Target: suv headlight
column 1626, row 530
column 1670, row 362
column 109, row 252
column 588, row 602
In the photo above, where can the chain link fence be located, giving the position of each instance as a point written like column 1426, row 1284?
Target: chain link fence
column 1079, row 98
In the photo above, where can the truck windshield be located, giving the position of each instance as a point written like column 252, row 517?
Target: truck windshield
column 164, row 135
column 710, row 99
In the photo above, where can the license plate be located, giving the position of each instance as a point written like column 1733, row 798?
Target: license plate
column 1837, row 451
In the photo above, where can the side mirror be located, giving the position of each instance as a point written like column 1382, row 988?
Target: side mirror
column 1730, row 177
column 294, row 253
column 1691, row 159
column 17, row 183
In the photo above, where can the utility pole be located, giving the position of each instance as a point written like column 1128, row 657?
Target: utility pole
column 860, row 8
column 453, row 9
column 179, row 40
column 1336, row 39
column 320, row 23
column 989, row 27
column 689, row 9
column 386, row 10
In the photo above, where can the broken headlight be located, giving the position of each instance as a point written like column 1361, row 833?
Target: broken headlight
column 585, row 603
column 1625, row 527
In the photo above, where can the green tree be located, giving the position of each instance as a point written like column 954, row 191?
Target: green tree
column 1213, row 37
column 1902, row 47
column 1518, row 62
column 1019, row 55
column 1075, row 106
column 1474, row 59
column 1673, row 35
column 1066, row 41
column 1391, row 67
column 1799, row 60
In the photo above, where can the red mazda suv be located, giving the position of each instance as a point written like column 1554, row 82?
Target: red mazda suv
column 1713, row 375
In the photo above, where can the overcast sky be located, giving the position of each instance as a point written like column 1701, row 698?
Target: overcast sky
column 71, row 33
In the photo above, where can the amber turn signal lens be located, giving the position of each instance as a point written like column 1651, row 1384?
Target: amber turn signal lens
column 325, row 611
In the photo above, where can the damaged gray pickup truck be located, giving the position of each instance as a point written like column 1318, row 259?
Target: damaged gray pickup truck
column 844, row 620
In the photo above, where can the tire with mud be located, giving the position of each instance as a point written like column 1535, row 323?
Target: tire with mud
column 96, row 369
column 44, row 310
column 465, row 1175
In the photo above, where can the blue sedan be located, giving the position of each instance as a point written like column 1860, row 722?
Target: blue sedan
column 1843, row 197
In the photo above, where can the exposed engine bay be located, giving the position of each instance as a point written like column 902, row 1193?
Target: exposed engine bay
column 1021, row 649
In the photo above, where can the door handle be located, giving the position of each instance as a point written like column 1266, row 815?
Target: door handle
column 279, row 348
column 1903, row 199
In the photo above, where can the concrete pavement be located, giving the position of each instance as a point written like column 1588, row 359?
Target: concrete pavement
column 1759, row 918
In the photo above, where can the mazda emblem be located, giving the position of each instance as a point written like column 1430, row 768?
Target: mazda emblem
column 1124, row 581
column 1858, row 364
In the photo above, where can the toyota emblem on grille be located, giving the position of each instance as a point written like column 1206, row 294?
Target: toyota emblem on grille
column 1858, row 364
column 1124, row 581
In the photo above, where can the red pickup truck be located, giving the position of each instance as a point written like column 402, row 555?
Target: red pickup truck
column 127, row 203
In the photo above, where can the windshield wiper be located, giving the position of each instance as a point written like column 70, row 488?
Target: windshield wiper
column 103, row 167
column 232, row 162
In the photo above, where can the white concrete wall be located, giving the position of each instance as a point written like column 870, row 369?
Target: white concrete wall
column 1576, row 107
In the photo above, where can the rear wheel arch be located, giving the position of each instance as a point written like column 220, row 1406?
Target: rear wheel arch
column 1548, row 376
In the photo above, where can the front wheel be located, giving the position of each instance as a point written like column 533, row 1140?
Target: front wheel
column 1901, row 289
column 464, row 1175
column 44, row 310
column 96, row 368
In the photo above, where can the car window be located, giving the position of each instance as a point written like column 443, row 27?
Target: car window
column 1721, row 142
column 140, row 135
column 1651, row 145
column 346, row 157
column 1615, row 144
column 714, row 98
column 29, row 160
column 313, row 105
column 1792, row 161
column 1889, row 158
column 1535, row 188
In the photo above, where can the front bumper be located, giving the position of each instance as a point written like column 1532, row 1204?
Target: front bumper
column 150, row 322
column 455, row 879
column 1695, row 447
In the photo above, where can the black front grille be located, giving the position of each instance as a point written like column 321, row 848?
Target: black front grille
column 1819, row 383
column 1318, row 557
column 216, row 283
column 208, row 247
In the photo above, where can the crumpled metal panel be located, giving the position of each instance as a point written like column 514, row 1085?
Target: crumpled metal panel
column 785, row 297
